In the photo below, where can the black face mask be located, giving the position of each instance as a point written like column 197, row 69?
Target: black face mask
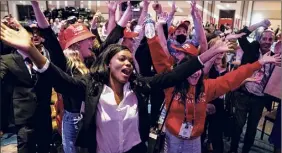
column 181, row 38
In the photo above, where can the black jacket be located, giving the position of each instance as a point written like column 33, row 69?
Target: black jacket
column 56, row 52
column 27, row 95
column 81, row 89
column 251, row 50
column 252, row 54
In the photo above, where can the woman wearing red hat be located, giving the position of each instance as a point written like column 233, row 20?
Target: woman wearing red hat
column 186, row 116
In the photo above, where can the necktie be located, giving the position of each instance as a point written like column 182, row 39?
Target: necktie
column 33, row 73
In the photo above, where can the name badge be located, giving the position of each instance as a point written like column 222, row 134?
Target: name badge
column 185, row 130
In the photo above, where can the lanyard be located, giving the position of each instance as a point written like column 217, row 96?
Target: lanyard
column 185, row 112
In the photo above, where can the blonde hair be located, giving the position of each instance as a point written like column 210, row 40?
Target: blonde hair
column 74, row 61
column 213, row 41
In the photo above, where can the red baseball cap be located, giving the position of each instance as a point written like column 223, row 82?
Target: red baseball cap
column 171, row 30
column 187, row 49
column 129, row 34
column 183, row 25
column 75, row 33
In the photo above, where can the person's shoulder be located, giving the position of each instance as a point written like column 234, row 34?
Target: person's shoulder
column 8, row 57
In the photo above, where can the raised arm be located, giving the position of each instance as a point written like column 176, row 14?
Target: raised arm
column 139, row 28
column 117, row 32
column 162, row 61
column 199, row 29
column 158, row 8
column 232, row 80
column 127, row 15
column 40, row 17
column 243, row 41
column 161, row 35
column 208, row 65
column 144, row 12
column 62, row 82
column 112, row 7
column 184, row 70
column 94, row 26
column 51, row 42
column 171, row 14
column 177, row 75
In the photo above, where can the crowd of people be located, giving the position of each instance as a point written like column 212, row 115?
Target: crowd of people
column 123, row 83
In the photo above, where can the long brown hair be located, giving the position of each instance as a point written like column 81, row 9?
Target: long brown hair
column 183, row 87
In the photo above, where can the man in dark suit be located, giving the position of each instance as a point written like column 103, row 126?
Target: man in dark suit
column 250, row 99
column 31, row 99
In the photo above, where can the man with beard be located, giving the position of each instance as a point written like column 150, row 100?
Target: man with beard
column 250, row 99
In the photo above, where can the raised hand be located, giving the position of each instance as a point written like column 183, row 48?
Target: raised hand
column 193, row 7
column 267, row 58
column 95, row 19
column 173, row 7
column 128, row 9
column 34, row 3
column 112, row 6
column 234, row 36
column 157, row 7
column 20, row 39
column 162, row 19
column 64, row 24
column 146, row 3
column 222, row 47
column 265, row 23
column 195, row 11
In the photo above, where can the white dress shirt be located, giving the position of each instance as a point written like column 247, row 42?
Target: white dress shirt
column 117, row 125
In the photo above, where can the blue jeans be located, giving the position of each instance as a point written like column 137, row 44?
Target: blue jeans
column 70, row 130
column 174, row 144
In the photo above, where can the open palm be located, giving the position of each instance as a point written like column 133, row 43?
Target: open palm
column 267, row 58
column 112, row 5
column 223, row 47
column 20, row 39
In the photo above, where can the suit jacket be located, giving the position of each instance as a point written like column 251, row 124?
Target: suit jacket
column 27, row 95
column 251, row 50
column 252, row 54
column 83, row 89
